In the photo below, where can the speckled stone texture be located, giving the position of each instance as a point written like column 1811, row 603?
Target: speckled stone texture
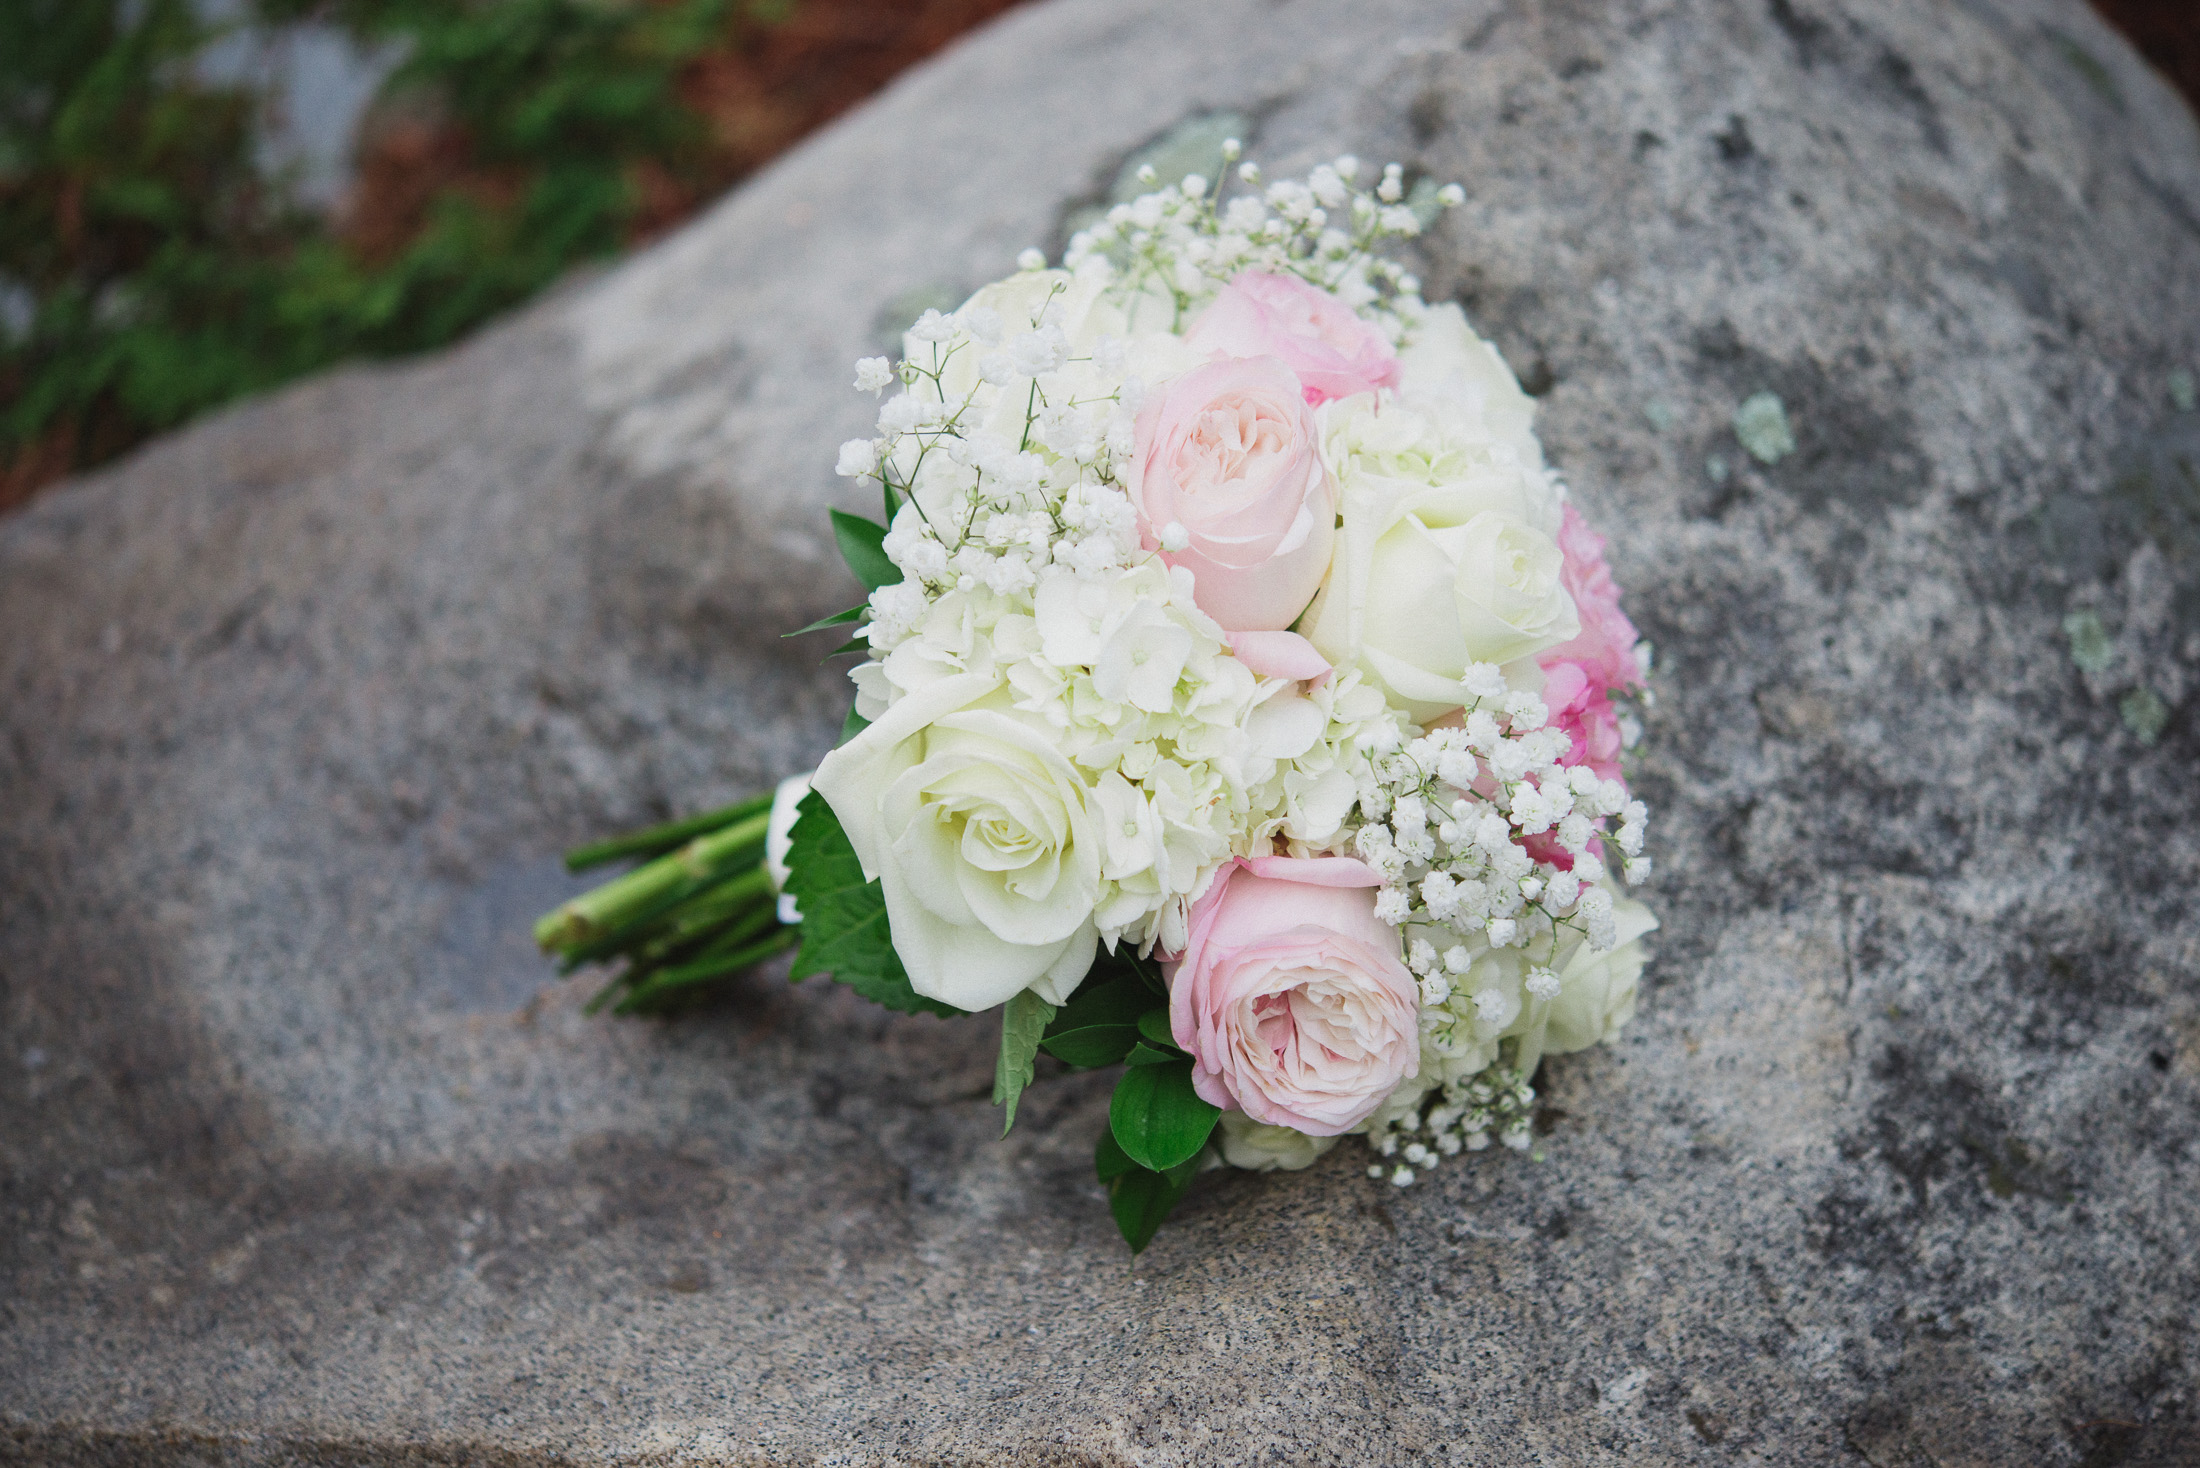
column 1897, row 1166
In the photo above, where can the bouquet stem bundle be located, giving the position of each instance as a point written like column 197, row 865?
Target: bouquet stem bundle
column 698, row 908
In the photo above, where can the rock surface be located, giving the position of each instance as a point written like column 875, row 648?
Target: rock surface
column 1896, row 1167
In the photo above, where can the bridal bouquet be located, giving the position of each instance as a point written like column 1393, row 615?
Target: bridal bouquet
column 1240, row 701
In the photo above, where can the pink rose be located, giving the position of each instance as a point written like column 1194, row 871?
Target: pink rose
column 1291, row 997
column 1319, row 337
column 1228, row 480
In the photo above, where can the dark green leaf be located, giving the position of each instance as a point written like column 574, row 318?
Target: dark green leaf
column 1099, row 1024
column 1157, row 1117
column 837, row 619
column 1139, row 1197
column 893, row 501
column 1109, row 1159
column 1153, row 1024
column 853, row 644
column 1145, row 1054
column 1023, row 1020
column 853, row 725
column 860, row 546
column 844, row 926
column 1126, row 964
column 1091, row 1047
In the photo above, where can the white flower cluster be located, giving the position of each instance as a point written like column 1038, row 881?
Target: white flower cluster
column 1489, row 851
column 1452, row 819
column 1179, row 243
column 1465, row 1115
column 1067, row 749
column 1019, row 550
column 1192, row 757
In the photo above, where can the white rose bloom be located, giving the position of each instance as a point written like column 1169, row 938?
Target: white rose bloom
column 1596, row 994
column 1446, row 361
column 985, row 838
column 1448, row 555
column 1258, row 1147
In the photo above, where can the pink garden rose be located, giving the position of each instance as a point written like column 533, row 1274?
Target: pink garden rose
column 1291, row 997
column 1334, row 353
column 1227, row 476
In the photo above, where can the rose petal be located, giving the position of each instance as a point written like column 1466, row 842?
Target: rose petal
column 1280, row 655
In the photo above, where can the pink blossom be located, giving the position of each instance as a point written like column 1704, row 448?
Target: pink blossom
column 1605, row 646
column 1280, row 655
column 1319, row 337
column 1582, row 708
column 1291, row 997
column 1581, row 675
column 1226, row 456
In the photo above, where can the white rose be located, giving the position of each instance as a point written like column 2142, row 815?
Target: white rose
column 1259, row 1147
column 1446, row 361
column 1596, row 993
column 986, row 840
column 1448, row 553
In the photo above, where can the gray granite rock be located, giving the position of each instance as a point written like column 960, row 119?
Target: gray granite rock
column 1897, row 1166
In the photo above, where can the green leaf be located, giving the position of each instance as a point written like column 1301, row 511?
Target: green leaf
column 861, row 547
column 1153, row 1024
column 844, row 927
column 1125, row 964
column 1156, row 1116
column 1145, row 1054
column 853, row 725
column 1099, row 1024
column 837, row 619
column 893, row 501
column 1109, row 1159
column 1023, row 1020
column 1139, row 1197
column 853, row 644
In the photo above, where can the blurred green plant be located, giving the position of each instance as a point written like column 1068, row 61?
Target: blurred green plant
column 148, row 271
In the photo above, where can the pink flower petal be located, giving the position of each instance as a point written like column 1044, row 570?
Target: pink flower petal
column 1279, row 655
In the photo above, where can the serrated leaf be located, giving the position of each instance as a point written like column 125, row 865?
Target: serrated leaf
column 861, row 546
column 1156, row 1116
column 837, row 619
column 1023, row 1020
column 1099, row 1024
column 1138, row 1197
column 844, row 927
column 1153, row 1025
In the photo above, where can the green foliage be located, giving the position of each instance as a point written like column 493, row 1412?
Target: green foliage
column 844, row 927
column 1099, row 1024
column 1023, row 1020
column 148, row 272
column 1156, row 1117
column 1139, row 1197
column 137, row 245
column 862, row 546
